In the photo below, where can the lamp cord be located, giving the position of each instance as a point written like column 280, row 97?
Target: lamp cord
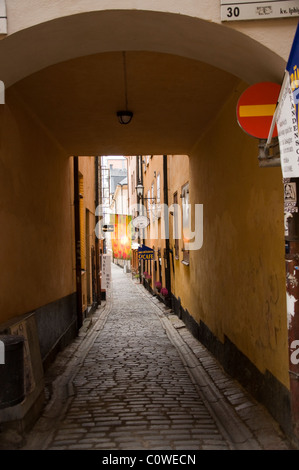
column 125, row 79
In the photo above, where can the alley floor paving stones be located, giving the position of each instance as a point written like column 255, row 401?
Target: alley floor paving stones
column 136, row 379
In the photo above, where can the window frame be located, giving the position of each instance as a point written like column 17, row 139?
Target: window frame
column 185, row 202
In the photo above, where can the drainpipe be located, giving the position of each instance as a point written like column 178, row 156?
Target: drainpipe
column 139, row 178
column 292, row 291
column 97, row 203
column 166, row 222
column 78, row 243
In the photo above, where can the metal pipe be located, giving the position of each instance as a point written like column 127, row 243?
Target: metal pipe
column 166, row 222
column 78, row 244
column 97, row 203
column 269, row 162
column 284, row 82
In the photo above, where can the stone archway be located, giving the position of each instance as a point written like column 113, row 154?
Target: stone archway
column 44, row 38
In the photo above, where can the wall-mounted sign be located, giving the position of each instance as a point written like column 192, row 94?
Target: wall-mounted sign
column 141, row 221
column 108, row 228
column 290, row 197
column 255, row 109
column 106, row 272
column 146, row 253
column 287, row 115
column 236, row 10
column 3, row 17
column 287, row 134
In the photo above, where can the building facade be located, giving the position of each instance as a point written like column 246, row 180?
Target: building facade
column 185, row 275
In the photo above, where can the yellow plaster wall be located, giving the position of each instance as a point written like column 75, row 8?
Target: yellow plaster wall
column 178, row 176
column 87, row 170
column 36, row 248
column 154, row 168
column 237, row 279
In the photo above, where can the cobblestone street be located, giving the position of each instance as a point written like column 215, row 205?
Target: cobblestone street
column 135, row 378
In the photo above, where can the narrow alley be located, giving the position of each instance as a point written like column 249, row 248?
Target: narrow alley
column 135, row 379
column 161, row 137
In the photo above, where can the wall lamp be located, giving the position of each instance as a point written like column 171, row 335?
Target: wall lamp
column 139, row 190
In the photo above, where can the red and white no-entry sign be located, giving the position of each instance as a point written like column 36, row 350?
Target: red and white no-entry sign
column 256, row 107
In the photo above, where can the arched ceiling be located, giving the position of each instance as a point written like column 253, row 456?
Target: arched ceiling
column 181, row 69
column 32, row 49
column 173, row 99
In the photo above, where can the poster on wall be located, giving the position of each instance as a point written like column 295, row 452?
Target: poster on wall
column 286, row 114
column 106, row 272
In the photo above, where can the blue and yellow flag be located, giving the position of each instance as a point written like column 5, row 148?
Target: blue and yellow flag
column 293, row 70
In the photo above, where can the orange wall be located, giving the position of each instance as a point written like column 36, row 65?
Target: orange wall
column 36, row 250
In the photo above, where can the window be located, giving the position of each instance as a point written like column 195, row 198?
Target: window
column 133, row 182
column 160, row 265
column 149, row 203
column 176, row 234
column 186, row 220
column 158, row 189
column 82, row 224
column 153, row 206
